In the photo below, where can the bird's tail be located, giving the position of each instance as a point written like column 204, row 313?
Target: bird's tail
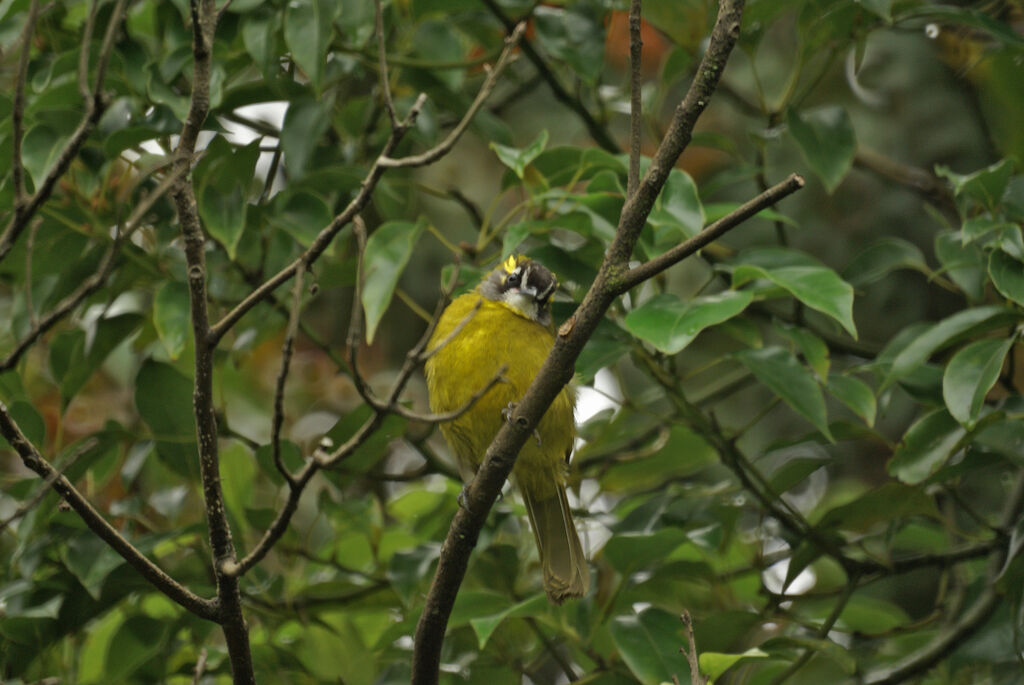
column 566, row 573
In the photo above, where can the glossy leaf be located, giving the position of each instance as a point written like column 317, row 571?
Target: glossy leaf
column 826, row 139
column 793, row 382
column 307, row 33
column 965, row 264
column 649, row 643
column 304, row 123
column 944, row 333
column 925, row 447
column 969, row 376
column 484, row 626
column 164, row 399
column 818, row 287
column 714, row 664
column 1007, row 275
column 882, row 257
column 855, row 394
column 670, row 324
column 518, row 159
column 387, row 252
column 171, row 316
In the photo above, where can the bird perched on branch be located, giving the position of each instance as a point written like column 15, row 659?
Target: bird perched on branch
column 506, row 322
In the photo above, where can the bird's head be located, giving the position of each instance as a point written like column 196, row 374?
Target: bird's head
column 524, row 285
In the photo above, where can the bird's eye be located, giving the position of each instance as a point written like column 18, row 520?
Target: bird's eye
column 513, row 279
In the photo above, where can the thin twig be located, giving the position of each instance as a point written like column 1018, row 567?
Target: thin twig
column 649, row 269
column 635, row 106
column 442, row 148
column 282, row 378
column 83, row 55
column 30, row 244
column 201, row 662
column 691, row 650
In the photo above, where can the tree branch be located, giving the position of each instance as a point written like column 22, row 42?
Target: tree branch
column 558, row 367
column 33, row 460
column 204, row 21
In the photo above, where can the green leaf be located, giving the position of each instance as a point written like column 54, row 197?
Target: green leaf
column 73, row 360
column 882, row 8
column 238, row 469
column 518, row 159
column 714, row 664
column 677, row 207
column 223, row 179
column 649, row 643
column 1007, row 275
column 813, row 348
column 30, row 422
column 794, row 383
column 927, row 445
column 573, row 35
column 826, row 139
column 301, row 214
column 855, row 394
column 387, row 252
column 39, row 151
column 670, row 324
column 882, row 257
column 965, row 264
column 818, row 287
column 164, row 399
column 171, row 316
column 484, row 626
column 137, row 640
column 984, row 187
column 305, row 122
column 91, row 560
column 889, row 502
column 307, row 33
column 627, row 552
column 969, row 376
column 871, row 616
column 944, row 333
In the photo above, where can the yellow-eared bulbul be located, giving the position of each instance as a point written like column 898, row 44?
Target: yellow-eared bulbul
column 506, row 321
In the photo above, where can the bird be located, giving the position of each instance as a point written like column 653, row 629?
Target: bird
column 506, row 322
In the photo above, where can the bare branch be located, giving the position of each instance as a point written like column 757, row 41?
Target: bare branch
column 442, row 148
column 33, row 460
column 635, row 106
column 201, row 661
column 639, row 274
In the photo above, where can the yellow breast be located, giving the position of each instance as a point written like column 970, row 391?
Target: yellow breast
column 493, row 336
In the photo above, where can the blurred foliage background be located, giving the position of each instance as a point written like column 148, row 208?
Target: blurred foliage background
column 810, row 437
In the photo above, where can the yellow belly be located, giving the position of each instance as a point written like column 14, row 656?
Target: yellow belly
column 497, row 335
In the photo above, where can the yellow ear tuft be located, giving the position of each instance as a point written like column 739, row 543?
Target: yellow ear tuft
column 510, row 264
